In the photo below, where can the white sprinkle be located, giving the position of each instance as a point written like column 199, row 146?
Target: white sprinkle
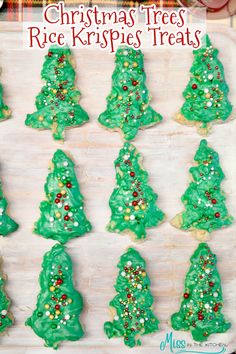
column 129, row 263
column 76, row 223
column 4, row 312
column 67, row 317
column 65, row 163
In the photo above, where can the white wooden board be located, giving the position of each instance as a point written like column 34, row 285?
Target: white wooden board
column 168, row 150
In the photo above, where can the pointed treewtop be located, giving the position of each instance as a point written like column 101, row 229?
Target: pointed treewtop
column 133, row 202
column 202, row 302
column 56, row 317
column 132, row 306
column 206, row 95
column 128, row 108
column 204, row 200
column 62, row 215
column 57, row 103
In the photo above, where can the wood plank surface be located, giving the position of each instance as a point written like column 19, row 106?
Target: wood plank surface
column 168, row 150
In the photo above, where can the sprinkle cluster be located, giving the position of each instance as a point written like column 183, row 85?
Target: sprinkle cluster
column 58, row 88
column 56, row 308
column 62, row 210
column 133, row 302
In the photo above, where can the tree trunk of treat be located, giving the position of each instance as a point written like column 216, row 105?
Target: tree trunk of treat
column 202, row 129
column 202, row 300
column 56, row 317
column 128, row 107
column 62, row 214
column 57, row 103
column 6, row 113
column 131, row 308
column 201, row 235
column 206, row 95
column 132, row 202
column 7, row 224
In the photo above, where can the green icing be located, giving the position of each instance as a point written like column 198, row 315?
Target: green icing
column 133, row 303
column 206, row 93
column 133, row 202
column 202, row 302
column 62, row 216
column 56, row 317
column 6, row 319
column 204, row 200
column 7, row 225
column 4, row 110
column 57, row 103
column 128, row 107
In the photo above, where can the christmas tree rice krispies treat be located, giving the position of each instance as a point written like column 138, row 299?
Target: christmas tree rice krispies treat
column 6, row 318
column 206, row 100
column 204, row 200
column 5, row 111
column 7, row 225
column 133, row 202
column 57, row 103
column 62, row 215
column 128, row 108
column 202, row 301
column 131, row 308
column 56, row 317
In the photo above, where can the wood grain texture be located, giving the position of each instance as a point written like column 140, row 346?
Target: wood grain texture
column 168, row 149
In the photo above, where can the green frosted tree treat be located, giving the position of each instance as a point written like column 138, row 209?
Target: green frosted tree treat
column 62, row 215
column 5, row 111
column 131, row 308
column 206, row 100
column 202, row 301
column 204, row 201
column 133, row 202
column 7, row 225
column 6, row 318
column 56, row 317
column 128, row 108
column 57, row 103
